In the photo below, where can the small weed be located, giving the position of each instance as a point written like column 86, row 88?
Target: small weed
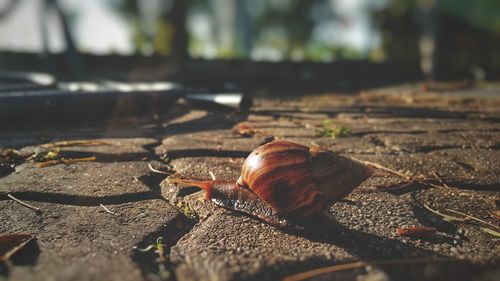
column 47, row 155
column 328, row 130
column 162, row 260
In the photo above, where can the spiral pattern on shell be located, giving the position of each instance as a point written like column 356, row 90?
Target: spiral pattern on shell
column 279, row 173
column 299, row 181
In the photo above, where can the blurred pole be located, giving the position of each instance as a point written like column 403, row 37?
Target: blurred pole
column 71, row 54
column 178, row 15
column 47, row 62
column 427, row 21
column 244, row 32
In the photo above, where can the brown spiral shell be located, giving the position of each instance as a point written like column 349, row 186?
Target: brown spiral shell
column 299, row 181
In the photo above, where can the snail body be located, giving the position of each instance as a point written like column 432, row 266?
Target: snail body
column 282, row 181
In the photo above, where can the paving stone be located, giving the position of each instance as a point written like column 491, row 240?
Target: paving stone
column 85, row 179
column 88, row 243
column 209, row 253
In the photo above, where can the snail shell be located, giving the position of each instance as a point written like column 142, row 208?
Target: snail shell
column 283, row 180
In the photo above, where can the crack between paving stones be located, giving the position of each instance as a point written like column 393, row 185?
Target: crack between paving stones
column 183, row 153
column 148, row 263
column 171, row 232
column 432, row 148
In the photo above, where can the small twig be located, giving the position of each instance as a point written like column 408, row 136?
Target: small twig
column 434, row 185
column 490, row 231
column 107, row 210
column 158, row 171
column 76, row 142
column 320, row 271
column 212, row 175
column 439, row 179
column 75, row 160
column 401, row 185
column 474, row 218
column 409, row 179
column 447, row 217
column 381, row 167
column 23, row 203
column 64, row 161
column 395, row 186
column 346, row 266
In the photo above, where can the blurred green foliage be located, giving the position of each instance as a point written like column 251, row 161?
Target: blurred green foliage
column 480, row 13
column 284, row 29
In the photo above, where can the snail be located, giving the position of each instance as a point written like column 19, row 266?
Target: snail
column 283, row 182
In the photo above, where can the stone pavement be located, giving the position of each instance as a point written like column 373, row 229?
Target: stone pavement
column 94, row 215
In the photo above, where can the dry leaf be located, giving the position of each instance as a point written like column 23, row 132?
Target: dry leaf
column 10, row 244
column 244, row 130
column 417, row 231
column 496, row 214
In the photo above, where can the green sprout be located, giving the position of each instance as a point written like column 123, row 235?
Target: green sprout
column 159, row 248
column 328, row 130
column 44, row 156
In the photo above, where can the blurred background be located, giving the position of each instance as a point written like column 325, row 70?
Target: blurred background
column 317, row 44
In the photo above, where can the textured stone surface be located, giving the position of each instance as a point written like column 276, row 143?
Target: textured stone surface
column 76, row 237
column 455, row 136
column 87, row 243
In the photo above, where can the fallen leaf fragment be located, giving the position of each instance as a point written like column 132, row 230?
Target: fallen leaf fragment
column 496, row 214
column 244, row 130
column 434, row 86
column 417, row 231
column 10, row 244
